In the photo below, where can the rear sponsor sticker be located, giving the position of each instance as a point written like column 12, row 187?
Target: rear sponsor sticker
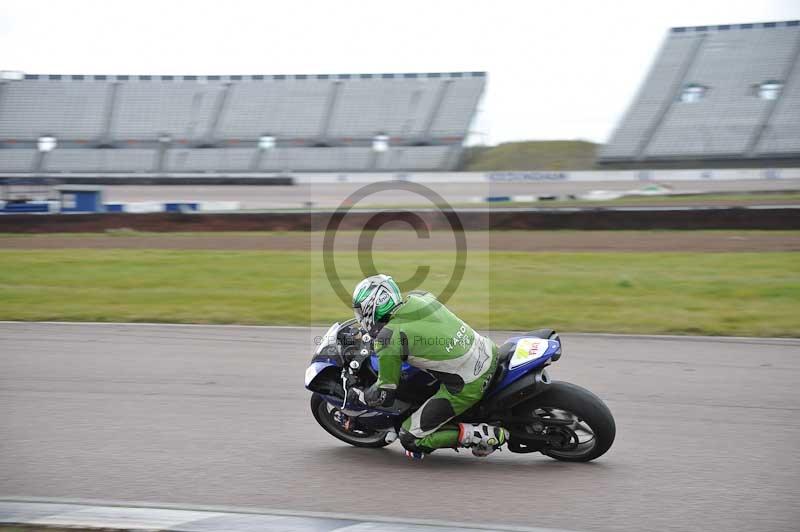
column 528, row 349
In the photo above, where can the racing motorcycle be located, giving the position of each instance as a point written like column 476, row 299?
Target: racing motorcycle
column 558, row 419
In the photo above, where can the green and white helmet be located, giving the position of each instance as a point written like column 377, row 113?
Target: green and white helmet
column 374, row 299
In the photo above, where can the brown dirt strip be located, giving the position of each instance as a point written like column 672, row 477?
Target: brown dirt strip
column 643, row 241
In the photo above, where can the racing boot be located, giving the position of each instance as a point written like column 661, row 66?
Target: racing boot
column 483, row 439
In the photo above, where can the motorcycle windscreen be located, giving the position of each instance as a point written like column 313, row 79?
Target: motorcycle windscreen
column 327, row 341
column 323, row 377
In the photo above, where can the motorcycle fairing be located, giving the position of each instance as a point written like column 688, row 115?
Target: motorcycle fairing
column 528, row 354
column 406, row 369
column 316, row 368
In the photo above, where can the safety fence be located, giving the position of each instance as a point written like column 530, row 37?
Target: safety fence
column 769, row 218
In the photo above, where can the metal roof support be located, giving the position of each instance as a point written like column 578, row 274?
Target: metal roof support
column 452, row 158
column 330, row 108
column 3, row 85
column 437, row 106
column 108, row 120
column 763, row 126
column 667, row 104
column 372, row 164
column 38, row 162
column 161, row 158
column 222, row 100
column 255, row 160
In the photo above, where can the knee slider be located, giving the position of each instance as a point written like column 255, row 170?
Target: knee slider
column 411, row 442
column 408, row 441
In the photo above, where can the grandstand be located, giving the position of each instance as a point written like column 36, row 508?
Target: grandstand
column 716, row 94
column 169, row 125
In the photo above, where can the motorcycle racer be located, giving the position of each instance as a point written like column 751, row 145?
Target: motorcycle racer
column 420, row 330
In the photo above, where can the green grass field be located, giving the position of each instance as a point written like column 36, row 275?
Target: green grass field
column 753, row 294
column 532, row 155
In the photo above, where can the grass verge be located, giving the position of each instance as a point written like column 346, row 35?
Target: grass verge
column 750, row 294
column 532, row 155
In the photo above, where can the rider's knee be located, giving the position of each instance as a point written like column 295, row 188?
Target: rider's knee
column 408, row 440
column 411, row 442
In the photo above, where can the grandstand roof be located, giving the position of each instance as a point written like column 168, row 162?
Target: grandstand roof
column 250, row 77
column 743, row 26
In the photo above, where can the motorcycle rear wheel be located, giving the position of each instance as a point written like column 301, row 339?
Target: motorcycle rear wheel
column 324, row 414
column 591, row 421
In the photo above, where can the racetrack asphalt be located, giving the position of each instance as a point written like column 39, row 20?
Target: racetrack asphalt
column 707, row 431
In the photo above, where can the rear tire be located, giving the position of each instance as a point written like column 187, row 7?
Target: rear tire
column 320, row 408
column 583, row 405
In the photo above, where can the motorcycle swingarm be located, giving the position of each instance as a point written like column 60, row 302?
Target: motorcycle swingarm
column 532, row 420
column 522, row 442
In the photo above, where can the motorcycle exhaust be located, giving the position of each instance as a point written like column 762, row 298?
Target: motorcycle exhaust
column 526, row 387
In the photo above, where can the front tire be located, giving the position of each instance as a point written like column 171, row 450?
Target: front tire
column 592, row 422
column 324, row 414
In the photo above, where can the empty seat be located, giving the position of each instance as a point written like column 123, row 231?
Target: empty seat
column 318, row 123
column 147, row 109
column 100, row 160
column 64, row 108
column 702, row 98
column 415, row 158
column 655, row 93
column 352, row 159
column 16, row 160
column 209, row 160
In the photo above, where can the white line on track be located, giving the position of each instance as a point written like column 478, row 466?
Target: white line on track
column 98, row 513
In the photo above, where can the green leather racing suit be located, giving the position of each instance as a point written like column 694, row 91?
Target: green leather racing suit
column 427, row 335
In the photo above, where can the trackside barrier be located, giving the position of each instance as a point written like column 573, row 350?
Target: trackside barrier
column 205, row 179
column 142, row 207
column 31, row 206
column 599, row 176
column 631, row 218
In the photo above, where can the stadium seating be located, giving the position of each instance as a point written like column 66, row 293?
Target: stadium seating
column 100, row 160
column 702, row 97
column 17, row 160
column 290, row 108
column 402, row 107
column 190, row 124
column 210, row 160
column 781, row 135
column 415, row 159
column 146, row 109
column 316, row 159
column 64, row 108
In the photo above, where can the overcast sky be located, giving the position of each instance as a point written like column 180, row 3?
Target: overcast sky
column 557, row 69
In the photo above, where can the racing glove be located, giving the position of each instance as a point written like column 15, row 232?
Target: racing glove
column 380, row 394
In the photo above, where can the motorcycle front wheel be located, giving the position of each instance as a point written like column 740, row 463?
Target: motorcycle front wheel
column 335, row 422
